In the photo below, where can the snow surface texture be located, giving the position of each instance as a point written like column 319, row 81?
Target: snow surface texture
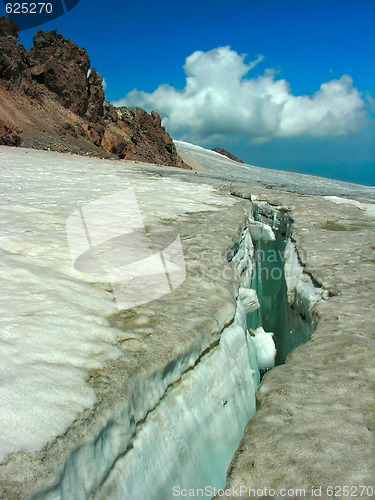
column 278, row 179
column 144, row 434
column 54, row 330
column 367, row 207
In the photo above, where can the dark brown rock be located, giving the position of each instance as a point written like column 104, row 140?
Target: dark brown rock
column 65, row 69
column 10, row 135
column 8, row 28
column 37, row 73
column 58, row 105
column 12, row 56
column 226, row 153
column 95, row 108
column 145, row 129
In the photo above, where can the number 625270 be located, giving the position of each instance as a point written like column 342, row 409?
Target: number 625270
column 28, row 8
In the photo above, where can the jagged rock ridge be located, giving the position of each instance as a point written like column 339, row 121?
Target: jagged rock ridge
column 50, row 100
column 226, row 153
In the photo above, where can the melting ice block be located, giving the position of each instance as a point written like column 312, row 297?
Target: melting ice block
column 265, row 348
column 260, row 231
column 249, row 299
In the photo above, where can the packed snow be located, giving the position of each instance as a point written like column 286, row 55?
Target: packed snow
column 54, row 330
column 369, row 208
column 277, row 179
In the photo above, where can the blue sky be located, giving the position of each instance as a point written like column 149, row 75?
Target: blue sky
column 266, row 113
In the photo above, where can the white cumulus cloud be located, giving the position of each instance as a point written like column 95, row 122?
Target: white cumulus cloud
column 220, row 98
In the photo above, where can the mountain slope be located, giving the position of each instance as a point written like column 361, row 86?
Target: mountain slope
column 49, row 99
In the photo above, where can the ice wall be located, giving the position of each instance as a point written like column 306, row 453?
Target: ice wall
column 286, row 293
column 189, row 437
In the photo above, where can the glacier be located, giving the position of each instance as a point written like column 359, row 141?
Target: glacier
column 102, row 403
column 54, row 322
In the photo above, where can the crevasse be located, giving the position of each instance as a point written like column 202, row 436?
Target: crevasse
column 188, row 438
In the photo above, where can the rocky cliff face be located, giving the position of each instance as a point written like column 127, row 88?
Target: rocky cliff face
column 50, row 100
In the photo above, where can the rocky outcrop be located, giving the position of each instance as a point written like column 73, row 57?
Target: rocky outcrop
column 226, row 153
column 144, row 128
column 49, row 99
column 10, row 135
column 95, row 105
column 62, row 67
column 13, row 57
